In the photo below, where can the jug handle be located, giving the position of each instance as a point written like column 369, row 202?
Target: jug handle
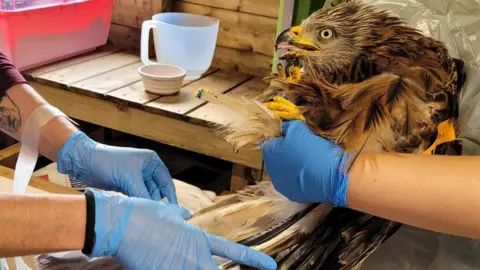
column 144, row 40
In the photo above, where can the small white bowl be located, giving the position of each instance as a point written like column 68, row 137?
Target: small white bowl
column 162, row 79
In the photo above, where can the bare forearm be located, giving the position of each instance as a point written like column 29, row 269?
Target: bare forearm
column 33, row 224
column 15, row 109
column 439, row 193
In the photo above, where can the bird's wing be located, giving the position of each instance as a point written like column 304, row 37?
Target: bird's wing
column 396, row 112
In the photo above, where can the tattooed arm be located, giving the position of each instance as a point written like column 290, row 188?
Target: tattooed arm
column 15, row 109
column 10, row 119
column 18, row 100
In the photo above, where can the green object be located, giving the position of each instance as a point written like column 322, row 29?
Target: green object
column 332, row 3
column 303, row 9
column 279, row 29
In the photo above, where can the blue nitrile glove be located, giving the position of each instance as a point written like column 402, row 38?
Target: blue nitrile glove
column 305, row 167
column 144, row 234
column 134, row 172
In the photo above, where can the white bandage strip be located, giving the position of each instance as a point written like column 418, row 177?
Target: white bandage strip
column 27, row 158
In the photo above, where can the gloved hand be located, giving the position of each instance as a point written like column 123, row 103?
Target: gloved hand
column 134, row 172
column 306, row 167
column 143, row 234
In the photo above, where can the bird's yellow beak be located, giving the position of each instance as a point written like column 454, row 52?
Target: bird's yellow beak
column 294, row 36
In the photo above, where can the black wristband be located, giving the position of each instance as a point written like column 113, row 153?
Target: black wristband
column 90, row 226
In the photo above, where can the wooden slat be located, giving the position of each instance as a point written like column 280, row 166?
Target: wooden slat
column 239, row 178
column 242, row 31
column 134, row 95
column 160, row 6
column 174, row 132
column 29, row 260
column 109, row 81
column 185, row 102
column 267, row 8
column 39, row 183
column 128, row 38
column 132, row 12
column 69, row 75
column 10, row 151
column 212, row 113
column 100, row 52
column 245, row 62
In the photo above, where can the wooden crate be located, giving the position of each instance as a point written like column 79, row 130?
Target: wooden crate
column 246, row 35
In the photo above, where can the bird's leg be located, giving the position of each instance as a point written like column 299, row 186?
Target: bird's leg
column 281, row 71
column 295, row 73
column 292, row 70
column 285, row 109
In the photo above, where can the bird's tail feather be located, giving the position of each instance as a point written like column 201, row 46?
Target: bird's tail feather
column 254, row 122
column 293, row 235
column 257, row 208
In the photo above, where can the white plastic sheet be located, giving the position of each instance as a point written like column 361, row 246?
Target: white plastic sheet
column 457, row 23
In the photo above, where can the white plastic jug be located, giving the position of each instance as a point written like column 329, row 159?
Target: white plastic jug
column 181, row 39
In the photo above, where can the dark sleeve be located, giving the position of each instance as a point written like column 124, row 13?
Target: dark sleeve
column 90, row 224
column 9, row 75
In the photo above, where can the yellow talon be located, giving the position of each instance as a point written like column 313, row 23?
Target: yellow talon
column 285, row 109
column 295, row 73
column 281, row 71
column 289, row 115
column 285, row 101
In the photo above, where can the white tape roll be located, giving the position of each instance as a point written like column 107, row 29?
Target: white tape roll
column 27, row 158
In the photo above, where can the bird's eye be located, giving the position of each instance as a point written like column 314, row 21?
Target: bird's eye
column 326, row 33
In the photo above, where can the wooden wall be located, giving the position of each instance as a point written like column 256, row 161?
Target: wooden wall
column 246, row 35
column 127, row 19
column 247, row 31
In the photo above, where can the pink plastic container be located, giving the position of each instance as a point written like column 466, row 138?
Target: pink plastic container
column 37, row 32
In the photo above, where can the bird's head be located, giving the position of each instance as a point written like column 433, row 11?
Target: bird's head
column 329, row 40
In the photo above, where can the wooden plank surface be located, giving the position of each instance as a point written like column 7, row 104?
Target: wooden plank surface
column 185, row 101
column 267, row 8
column 134, row 95
column 132, row 13
column 246, row 62
column 242, row 31
column 6, row 185
column 10, row 151
column 239, row 177
column 213, row 113
column 109, row 81
column 100, row 52
column 72, row 74
column 128, row 38
column 174, row 132
column 29, row 260
column 39, row 183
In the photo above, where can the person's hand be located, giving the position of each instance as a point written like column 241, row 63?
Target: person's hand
column 134, row 172
column 144, row 234
column 306, row 167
